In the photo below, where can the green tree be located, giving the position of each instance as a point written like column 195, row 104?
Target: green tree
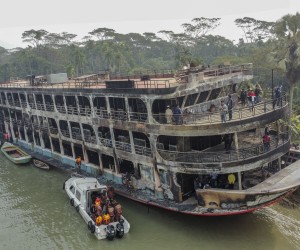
column 287, row 50
column 34, row 37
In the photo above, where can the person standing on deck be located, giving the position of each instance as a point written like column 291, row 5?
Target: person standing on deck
column 231, row 181
column 251, row 99
column 230, row 107
column 169, row 115
column 266, row 142
column 6, row 137
column 177, row 115
column 223, row 110
column 257, row 92
column 78, row 164
column 243, row 97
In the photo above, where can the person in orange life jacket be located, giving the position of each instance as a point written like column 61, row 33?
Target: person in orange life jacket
column 78, row 163
column 99, row 220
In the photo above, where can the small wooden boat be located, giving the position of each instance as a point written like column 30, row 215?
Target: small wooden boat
column 40, row 164
column 14, row 154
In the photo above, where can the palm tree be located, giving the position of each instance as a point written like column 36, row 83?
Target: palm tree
column 287, row 52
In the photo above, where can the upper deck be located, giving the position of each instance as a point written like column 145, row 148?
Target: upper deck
column 156, row 84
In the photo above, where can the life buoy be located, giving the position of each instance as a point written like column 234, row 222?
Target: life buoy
column 77, row 208
column 72, row 202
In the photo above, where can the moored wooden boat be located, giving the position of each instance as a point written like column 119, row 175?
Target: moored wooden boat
column 40, row 164
column 14, row 154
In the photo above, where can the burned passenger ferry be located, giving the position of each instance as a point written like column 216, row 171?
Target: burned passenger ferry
column 190, row 159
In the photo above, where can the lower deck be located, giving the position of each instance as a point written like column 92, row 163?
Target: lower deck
column 260, row 188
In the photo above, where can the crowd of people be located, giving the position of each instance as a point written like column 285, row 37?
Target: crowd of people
column 105, row 208
column 215, row 180
column 251, row 97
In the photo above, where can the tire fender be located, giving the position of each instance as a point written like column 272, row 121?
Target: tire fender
column 72, row 202
column 77, row 209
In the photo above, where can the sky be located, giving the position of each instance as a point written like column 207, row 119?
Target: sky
column 125, row 16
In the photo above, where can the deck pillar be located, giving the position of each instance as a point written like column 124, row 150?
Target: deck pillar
column 279, row 163
column 236, row 143
column 240, row 181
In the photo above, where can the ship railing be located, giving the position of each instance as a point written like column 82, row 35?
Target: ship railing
column 44, row 128
column 76, row 136
column 106, row 142
column 123, row 146
column 17, row 104
column 118, row 115
column 239, row 113
column 188, row 76
column 65, row 133
column 49, row 107
column 53, row 130
column 40, row 106
column 85, row 111
column 20, row 123
column 152, row 84
column 90, row 139
column 163, row 73
column 27, row 123
column 224, row 156
column 24, row 104
column 101, row 113
column 35, row 126
column 10, row 102
column 32, row 105
column 139, row 117
column 61, row 109
column 6, row 119
column 143, row 150
column 72, row 110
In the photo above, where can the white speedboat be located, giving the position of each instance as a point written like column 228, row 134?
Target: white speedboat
column 82, row 192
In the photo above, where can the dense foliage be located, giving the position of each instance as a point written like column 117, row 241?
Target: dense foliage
column 105, row 49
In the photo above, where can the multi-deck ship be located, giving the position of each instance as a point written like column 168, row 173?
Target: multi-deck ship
column 119, row 127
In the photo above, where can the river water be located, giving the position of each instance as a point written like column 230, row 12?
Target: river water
column 35, row 213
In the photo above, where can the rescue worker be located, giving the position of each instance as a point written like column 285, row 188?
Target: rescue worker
column 169, row 115
column 78, row 164
column 106, row 219
column 118, row 212
column 231, row 181
column 98, row 207
column 99, row 220
column 111, row 212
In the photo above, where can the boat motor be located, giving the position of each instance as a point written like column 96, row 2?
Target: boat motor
column 110, row 232
column 120, row 230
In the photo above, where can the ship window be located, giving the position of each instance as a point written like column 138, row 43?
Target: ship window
column 180, row 100
column 214, row 94
column 67, row 148
column 56, row 146
column 190, row 100
column 78, row 195
column 93, row 157
column 202, row 97
column 72, row 189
